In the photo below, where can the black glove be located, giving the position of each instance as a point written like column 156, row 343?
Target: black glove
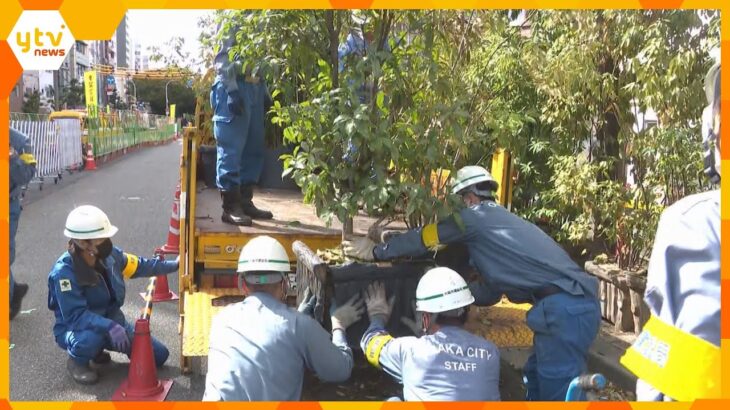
column 235, row 103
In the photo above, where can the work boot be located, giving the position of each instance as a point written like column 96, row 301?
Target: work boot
column 81, row 373
column 232, row 211
column 18, row 294
column 249, row 208
column 102, row 358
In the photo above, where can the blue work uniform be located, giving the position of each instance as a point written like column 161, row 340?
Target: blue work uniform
column 22, row 170
column 239, row 138
column 517, row 259
column 449, row 365
column 260, row 347
column 87, row 301
column 683, row 282
column 355, row 45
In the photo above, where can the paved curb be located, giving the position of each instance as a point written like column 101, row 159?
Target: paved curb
column 604, row 358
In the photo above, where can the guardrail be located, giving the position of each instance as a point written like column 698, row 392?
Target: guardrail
column 60, row 144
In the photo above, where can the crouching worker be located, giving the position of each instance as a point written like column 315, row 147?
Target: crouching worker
column 260, row 347
column 447, row 363
column 86, row 292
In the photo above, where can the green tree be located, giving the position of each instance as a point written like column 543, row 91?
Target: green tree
column 153, row 92
column 595, row 72
column 32, row 102
column 72, row 95
column 561, row 93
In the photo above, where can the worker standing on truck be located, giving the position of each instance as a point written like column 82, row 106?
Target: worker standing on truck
column 260, row 347
column 86, row 292
column 239, row 101
column 515, row 258
column 447, row 363
column 677, row 355
column 22, row 166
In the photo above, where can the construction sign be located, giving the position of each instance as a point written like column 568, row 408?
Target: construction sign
column 92, row 102
column 172, row 113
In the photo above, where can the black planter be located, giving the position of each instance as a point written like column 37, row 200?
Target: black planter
column 400, row 280
column 273, row 167
column 208, row 158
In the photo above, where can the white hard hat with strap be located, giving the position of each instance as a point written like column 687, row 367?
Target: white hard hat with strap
column 263, row 260
column 470, row 176
column 88, row 222
column 442, row 289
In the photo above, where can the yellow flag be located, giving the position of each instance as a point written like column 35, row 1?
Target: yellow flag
column 172, row 113
column 91, row 92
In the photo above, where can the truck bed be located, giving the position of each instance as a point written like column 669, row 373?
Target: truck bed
column 291, row 216
column 217, row 246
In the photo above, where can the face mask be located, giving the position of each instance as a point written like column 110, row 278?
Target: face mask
column 104, row 249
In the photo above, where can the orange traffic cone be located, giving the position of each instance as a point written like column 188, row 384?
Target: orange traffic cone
column 90, row 164
column 162, row 292
column 142, row 383
column 173, row 235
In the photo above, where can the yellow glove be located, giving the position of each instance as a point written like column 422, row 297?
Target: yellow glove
column 28, row 159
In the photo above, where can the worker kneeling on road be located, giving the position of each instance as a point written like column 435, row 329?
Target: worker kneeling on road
column 447, row 363
column 86, row 292
column 260, row 347
column 515, row 258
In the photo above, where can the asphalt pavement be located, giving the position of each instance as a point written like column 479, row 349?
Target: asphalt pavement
column 136, row 191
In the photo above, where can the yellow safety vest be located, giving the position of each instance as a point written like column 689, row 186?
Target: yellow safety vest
column 678, row 364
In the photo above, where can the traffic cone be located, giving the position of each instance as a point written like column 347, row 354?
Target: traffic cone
column 173, row 235
column 142, row 383
column 162, row 292
column 90, row 164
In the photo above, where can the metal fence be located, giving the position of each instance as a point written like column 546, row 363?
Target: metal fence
column 59, row 143
column 111, row 132
column 56, row 144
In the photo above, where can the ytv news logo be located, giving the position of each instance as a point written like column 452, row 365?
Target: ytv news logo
column 41, row 40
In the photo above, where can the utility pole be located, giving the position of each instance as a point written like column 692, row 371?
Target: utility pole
column 167, row 102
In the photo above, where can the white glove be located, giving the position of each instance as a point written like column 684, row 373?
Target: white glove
column 376, row 303
column 359, row 248
column 347, row 314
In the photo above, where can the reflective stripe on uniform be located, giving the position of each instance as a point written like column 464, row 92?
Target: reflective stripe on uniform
column 679, row 364
column 131, row 267
column 430, row 236
column 375, row 346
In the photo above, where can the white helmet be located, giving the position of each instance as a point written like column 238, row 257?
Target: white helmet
column 88, row 222
column 471, row 175
column 263, row 254
column 711, row 125
column 442, row 289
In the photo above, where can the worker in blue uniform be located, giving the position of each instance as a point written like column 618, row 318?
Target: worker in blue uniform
column 357, row 45
column 86, row 291
column 239, row 101
column 446, row 363
column 260, row 347
column 677, row 355
column 517, row 259
column 22, row 166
